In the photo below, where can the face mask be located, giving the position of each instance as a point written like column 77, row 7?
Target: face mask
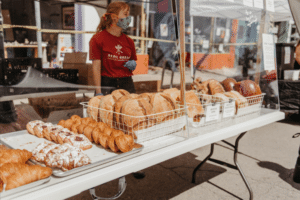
column 124, row 22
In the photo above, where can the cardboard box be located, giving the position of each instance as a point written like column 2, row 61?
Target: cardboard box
column 291, row 75
column 78, row 61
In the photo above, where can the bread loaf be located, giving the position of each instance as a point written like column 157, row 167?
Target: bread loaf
column 240, row 101
column 118, row 107
column 163, row 106
column 174, row 93
column 135, row 111
column 194, row 106
column 93, row 107
column 247, row 88
column 117, row 94
column 107, row 107
column 221, row 97
column 215, row 87
column 228, row 84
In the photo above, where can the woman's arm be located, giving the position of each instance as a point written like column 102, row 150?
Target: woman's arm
column 97, row 74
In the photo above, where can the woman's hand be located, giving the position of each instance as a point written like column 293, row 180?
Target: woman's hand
column 130, row 64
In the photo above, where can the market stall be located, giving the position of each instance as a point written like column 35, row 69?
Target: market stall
column 121, row 133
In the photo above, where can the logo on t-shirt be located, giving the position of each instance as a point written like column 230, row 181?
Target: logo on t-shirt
column 119, row 47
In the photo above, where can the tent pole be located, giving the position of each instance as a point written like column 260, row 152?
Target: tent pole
column 264, row 28
column 192, row 46
column 182, row 50
column 147, row 25
column 38, row 25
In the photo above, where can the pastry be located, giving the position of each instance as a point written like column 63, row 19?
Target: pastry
column 49, row 130
column 86, row 120
column 93, row 107
column 228, row 84
column 102, row 126
column 124, row 142
column 39, row 129
column 79, row 141
column 80, row 128
column 247, row 88
column 96, row 134
column 74, row 117
column 54, row 134
column 74, row 128
column 106, row 109
column 14, row 156
column 61, row 123
column 31, row 125
column 64, row 136
column 117, row 94
column 87, row 131
column 111, row 140
column 9, row 169
column 40, row 152
column 68, row 123
column 105, row 136
column 25, row 176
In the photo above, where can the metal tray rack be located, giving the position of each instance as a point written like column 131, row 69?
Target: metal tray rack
column 97, row 154
column 205, row 125
column 146, row 127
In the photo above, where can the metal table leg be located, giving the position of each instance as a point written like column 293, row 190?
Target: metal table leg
column 236, row 166
column 122, row 188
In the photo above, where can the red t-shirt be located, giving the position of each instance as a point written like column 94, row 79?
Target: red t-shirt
column 113, row 52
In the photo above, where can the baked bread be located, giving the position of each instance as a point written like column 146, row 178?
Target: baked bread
column 194, row 106
column 240, row 101
column 228, row 84
column 88, row 132
column 135, row 111
column 219, row 97
column 68, row 124
column 117, row 94
column 75, row 117
column 163, row 106
column 174, row 93
column 80, row 128
column 146, row 96
column 103, row 140
column 247, row 88
column 79, row 141
column 86, row 120
column 61, row 123
column 93, row 107
column 215, row 87
column 111, row 140
column 118, row 107
column 107, row 107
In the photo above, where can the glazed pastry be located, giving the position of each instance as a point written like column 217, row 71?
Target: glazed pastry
column 74, row 117
column 39, row 129
column 68, row 123
column 31, row 125
column 86, row 120
column 49, row 130
column 88, row 132
column 124, row 142
column 54, row 134
column 14, row 156
column 61, row 123
column 26, row 175
column 111, row 140
column 64, row 136
column 96, row 134
column 40, row 152
column 80, row 128
column 79, row 141
column 93, row 107
column 74, row 128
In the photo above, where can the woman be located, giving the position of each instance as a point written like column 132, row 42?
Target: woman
column 297, row 58
column 111, row 51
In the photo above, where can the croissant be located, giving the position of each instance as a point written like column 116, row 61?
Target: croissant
column 111, row 140
column 10, row 168
column 125, row 142
column 14, row 156
column 26, row 175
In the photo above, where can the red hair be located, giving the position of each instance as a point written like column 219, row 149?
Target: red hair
column 113, row 8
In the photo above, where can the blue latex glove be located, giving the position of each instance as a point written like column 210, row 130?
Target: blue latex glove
column 98, row 94
column 130, row 64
